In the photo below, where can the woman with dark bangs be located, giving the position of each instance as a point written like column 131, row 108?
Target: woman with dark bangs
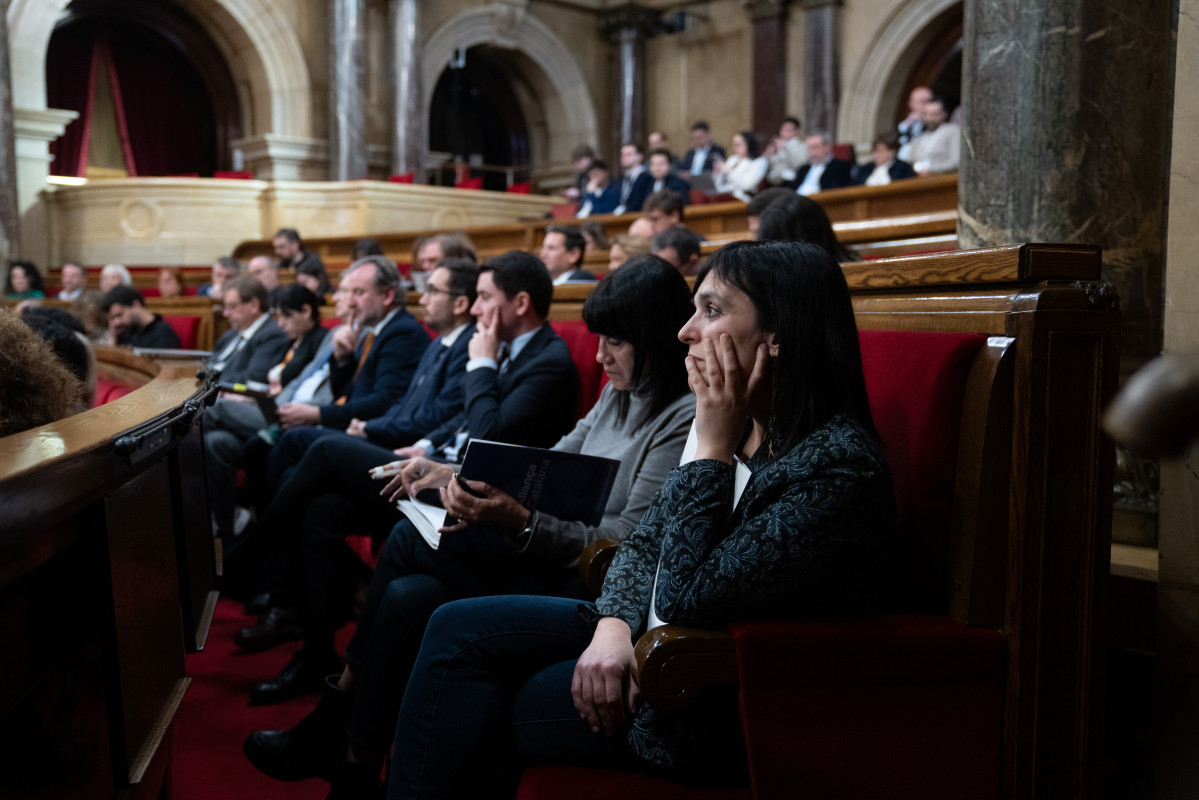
column 783, row 506
column 641, row 419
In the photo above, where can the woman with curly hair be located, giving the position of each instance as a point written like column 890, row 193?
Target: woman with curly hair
column 35, row 388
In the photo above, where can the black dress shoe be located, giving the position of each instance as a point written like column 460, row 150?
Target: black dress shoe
column 314, row 748
column 259, row 604
column 303, row 674
column 276, row 626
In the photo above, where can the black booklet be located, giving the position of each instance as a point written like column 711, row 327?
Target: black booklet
column 569, row 486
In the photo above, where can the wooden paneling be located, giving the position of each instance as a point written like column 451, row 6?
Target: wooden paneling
column 94, row 586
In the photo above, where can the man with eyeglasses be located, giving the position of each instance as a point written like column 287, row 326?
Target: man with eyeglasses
column 329, row 494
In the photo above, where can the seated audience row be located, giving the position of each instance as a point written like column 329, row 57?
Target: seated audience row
column 641, row 419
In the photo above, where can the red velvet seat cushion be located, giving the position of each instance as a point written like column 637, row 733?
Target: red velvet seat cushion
column 583, row 346
column 237, row 175
column 469, row 183
column 915, row 381
column 187, row 329
column 403, row 177
column 109, row 390
column 581, row 783
column 564, row 210
column 520, row 188
column 329, row 323
column 882, row 707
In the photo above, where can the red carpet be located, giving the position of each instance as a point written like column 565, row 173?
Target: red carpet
column 214, row 718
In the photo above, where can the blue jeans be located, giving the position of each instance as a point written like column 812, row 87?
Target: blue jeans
column 489, row 694
column 409, row 583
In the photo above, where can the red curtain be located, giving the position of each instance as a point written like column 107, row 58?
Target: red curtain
column 164, row 115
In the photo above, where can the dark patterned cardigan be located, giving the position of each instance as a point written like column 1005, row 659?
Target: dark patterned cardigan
column 812, row 535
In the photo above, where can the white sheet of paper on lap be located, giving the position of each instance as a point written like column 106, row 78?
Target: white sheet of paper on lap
column 427, row 519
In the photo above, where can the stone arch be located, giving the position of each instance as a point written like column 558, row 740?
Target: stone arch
column 546, row 79
column 899, row 41
column 256, row 39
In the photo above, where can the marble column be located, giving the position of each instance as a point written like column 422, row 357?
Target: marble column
column 1177, row 630
column 10, row 217
column 627, row 28
column 409, row 141
column 347, row 90
column 1065, row 138
column 770, row 65
column 822, row 70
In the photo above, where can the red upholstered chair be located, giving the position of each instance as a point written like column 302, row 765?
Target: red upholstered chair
column 892, row 706
column 237, row 175
column 564, row 210
column 845, row 152
column 520, row 188
column 583, row 346
column 329, row 323
column 187, row 329
column 697, row 197
column 108, row 390
column 406, row 177
column 469, row 183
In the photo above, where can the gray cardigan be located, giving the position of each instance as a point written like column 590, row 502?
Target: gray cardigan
column 646, row 456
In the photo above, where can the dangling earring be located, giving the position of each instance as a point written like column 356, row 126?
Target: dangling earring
column 771, row 433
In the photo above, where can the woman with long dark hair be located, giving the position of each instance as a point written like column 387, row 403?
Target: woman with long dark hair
column 783, row 506
column 641, row 419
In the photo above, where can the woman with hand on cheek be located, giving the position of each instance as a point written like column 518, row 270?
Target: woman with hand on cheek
column 783, row 506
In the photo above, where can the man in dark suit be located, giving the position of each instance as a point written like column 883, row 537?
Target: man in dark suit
column 330, row 494
column 289, row 248
column 632, row 168
column 562, row 251
column 246, row 352
column 703, row 152
column 822, row 172
column 254, row 343
column 884, row 167
column 373, row 359
column 657, row 178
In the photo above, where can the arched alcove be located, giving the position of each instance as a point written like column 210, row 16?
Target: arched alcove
column 178, row 102
column 475, row 112
column 538, row 67
column 908, row 37
column 256, row 40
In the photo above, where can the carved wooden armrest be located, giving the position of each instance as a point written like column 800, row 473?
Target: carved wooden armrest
column 594, row 562
column 676, row 664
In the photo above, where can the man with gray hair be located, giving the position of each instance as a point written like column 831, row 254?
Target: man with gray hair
column 374, row 354
column 822, row 172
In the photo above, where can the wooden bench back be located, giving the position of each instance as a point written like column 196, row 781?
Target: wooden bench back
column 107, row 543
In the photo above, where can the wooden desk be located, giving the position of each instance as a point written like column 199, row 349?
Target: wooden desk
column 106, row 576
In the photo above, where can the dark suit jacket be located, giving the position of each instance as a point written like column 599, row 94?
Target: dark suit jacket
column 641, row 191
column 715, row 152
column 898, row 171
column 604, row 201
column 384, row 377
column 305, row 351
column 437, row 395
column 579, row 275
column 532, row 404
column 256, row 357
column 838, row 173
column 642, row 188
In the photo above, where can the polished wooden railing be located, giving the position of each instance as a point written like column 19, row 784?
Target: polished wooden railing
column 106, row 580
